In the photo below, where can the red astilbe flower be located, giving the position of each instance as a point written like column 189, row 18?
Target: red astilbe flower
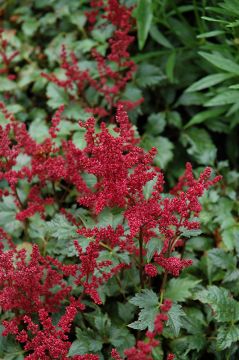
column 47, row 341
column 115, row 69
column 90, row 265
column 173, row 265
column 26, row 285
column 122, row 172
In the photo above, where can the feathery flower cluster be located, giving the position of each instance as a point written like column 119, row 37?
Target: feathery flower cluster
column 115, row 69
column 37, row 287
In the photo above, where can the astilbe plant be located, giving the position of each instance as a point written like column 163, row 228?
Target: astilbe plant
column 35, row 287
column 114, row 70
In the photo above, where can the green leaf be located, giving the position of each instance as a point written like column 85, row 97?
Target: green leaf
column 183, row 345
column 226, row 309
column 148, row 188
column 147, row 300
column 144, row 16
column 9, row 348
column 225, row 98
column 227, row 335
column 153, row 245
column 78, row 347
column 146, row 319
column 30, row 26
column 189, row 233
column 156, row 123
column 8, row 220
column 6, row 84
column 180, row 289
column 60, row 228
column 38, row 130
column 201, row 147
column 164, row 147
column 79, row 19
column 208, row 81
column 57, row 96
column 222, row 63
column 194, row 321
column 222, row 259
column 230, row 236
column 204, row 116
column 126, row 311
column 175, row 316
column 149, row 75
column 170, row 65
column 210, row 34
column 79, row 139
column 87, row 341
column 121, row 338
column 159, row 37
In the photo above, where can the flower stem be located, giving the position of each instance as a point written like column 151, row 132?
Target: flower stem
column 141, row 261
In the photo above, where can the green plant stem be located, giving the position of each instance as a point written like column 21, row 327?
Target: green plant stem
column 165, row 276
column 162, row 289
column 141, row 260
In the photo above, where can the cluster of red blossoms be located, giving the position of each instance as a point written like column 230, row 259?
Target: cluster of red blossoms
column 35, row 287
column 115, row 69
column 121, row 170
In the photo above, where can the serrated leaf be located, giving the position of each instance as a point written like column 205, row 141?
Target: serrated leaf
column 180, row 289
column 120, row 337
column 225, row 308
column 163, row 145
column 200, row 144
column 146, row 319
column 189, row 233
column 60, row 228
column 222, row 259
column 78, row 347
column 57, row 96
column 183, row 345
column 126, row 311
column 149, row 75
column 145, row 299
column 102, row 323
column 175, row 316
column 227, row 335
